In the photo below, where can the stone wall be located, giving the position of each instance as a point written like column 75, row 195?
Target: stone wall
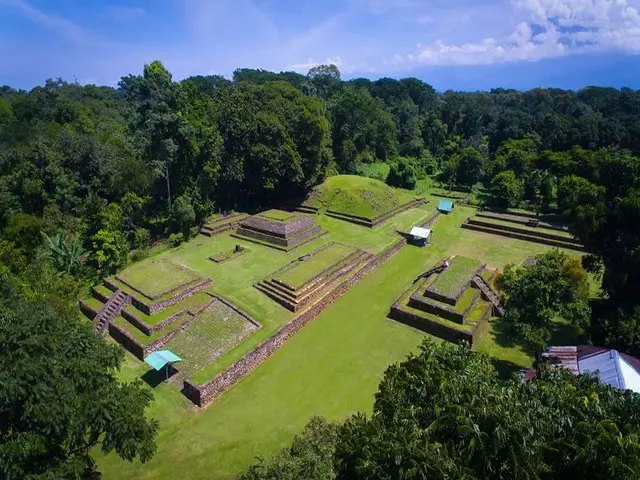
column 383, row 218
column 123, row 337
column 374, row 222
column 87, row 310
column 527, row 238
column 433, row 219
column 508, row 228
column 160, row 295
column 147, row 328
column 95, row 293
column 206, row 393
column 152, row 308
column 445, row 311
column 453, row 299
column 430, row 326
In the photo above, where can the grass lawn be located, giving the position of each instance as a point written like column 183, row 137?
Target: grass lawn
column 277, row 215
column 376, row 170
column 355, row 195
column 332, row 367
column 94, row 303
column 218, row 329
column 157, row 277
column 301, row 272
column 142, row 337
column 455, row 276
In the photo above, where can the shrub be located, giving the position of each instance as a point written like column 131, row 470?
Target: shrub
column 141, row 239
column 175, row 239
column 403, row 174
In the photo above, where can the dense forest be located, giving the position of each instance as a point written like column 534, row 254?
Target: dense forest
column 92, row 176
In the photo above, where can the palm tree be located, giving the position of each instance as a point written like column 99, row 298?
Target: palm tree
column 67, row 254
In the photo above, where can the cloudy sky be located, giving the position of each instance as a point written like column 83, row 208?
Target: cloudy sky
column 460, row 44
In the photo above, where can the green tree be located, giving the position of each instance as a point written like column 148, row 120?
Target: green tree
column 110, row 249
column 24, row 230
column 471, row 166
column 403, row 174
column 517, row 155
column 310, row 456
column 60, row 397
column 534, row 297
column 444, row 413
column 183, row 216
column 428, row 163
column 507, row 190
column 159, row 103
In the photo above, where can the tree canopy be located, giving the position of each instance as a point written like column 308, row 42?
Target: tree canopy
column 60, row 396
column 445, row 413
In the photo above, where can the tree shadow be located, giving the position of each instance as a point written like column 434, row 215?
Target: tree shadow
column 153, row 378
column 501, row 334
column 505, row 368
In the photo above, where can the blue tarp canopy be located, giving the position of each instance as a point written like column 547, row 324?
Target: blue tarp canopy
column 159, row 359
column 445, row 206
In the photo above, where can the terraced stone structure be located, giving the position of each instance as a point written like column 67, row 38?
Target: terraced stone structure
column 222, row 224
column 544, row 229
column 310, row 277
column 450, row 302
column 277, row 229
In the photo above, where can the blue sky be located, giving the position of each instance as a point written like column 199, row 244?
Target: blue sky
column 459, row 44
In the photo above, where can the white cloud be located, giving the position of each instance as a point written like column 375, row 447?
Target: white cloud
column 548, row 28
column 310, row 63
column 55, row 23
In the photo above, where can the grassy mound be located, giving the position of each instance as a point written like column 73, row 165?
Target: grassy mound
column 354, row 195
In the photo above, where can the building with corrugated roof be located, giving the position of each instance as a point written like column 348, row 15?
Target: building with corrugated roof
column 619, row 370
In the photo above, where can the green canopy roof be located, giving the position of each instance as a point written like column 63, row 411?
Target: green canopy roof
column 445, row 205
column 160, row 358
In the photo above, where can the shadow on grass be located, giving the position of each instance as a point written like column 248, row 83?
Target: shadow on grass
column 502, row 335
column 505, row 368
column 153, row 378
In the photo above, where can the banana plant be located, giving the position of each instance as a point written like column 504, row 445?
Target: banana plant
column 67, row 254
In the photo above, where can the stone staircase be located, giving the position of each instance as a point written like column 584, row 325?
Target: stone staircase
column 110, row 310
column 489, row 293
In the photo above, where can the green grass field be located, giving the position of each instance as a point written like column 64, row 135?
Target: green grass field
column 155, row 278
column 217, row 330
column 376, row 170
column 455, row 276
column 361, row 196
column 331, row 367
column 277, row 215
column 301, row 272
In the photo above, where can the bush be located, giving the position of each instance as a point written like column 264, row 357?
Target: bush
column 403, row 174
column 193, row 232
column 141, row 239
column 139, row 254
column 175, row 239
column 428, row 163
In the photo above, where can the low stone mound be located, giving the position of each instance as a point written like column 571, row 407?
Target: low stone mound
column 222, row 224
column 527, row 229
column 308, row 278
column 281, row 231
